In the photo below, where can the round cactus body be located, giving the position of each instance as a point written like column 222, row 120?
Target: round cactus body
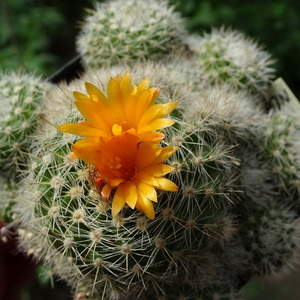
column 68, row 224
column 228, row 56
column 21, row 96
column 123, row 31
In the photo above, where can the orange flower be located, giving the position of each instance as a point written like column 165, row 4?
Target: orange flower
column 122, row 142
column 126, row 108
column 133, row 169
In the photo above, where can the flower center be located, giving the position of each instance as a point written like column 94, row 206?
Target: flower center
column 122, row 169
column 114, row 163
column 121, row 127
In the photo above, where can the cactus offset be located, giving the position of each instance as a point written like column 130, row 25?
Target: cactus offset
column 21, row 95
column 123, row 31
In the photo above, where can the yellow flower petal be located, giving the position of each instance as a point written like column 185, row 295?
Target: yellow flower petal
column 78, row 96
column 91, row 111
column 115, row 98
column 168, row 108
column 165, row 153
column 155, row 112
column 148, row 191
column 166, row 184
column 152, row 136
column 144, row 101
column 158, row 170
column 150, row 114
column 143, row 85
column 81, row 130
column 125, row 84
column 116, row 181
column 95, row 93
column 118, row 201
column 144, row 205
column 148, row 152
column 87, row 149
column 130, row 194
column 146, row 177
column 105, row 192
column 157, row 124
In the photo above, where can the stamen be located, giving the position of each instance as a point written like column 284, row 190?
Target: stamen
column 114, row 163
column 117, row 129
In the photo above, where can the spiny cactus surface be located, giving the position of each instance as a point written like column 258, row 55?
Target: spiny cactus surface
column 123, row 31
column 20, row 97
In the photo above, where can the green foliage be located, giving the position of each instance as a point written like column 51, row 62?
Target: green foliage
column 26, row 34
column 37, row 36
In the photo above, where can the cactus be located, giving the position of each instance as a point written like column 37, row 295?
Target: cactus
column 21, row 95
column 228, row 56
column 225, row 223
column 129, row 256
column 141, row 220
column 123, row 31
column 8, row 191
column 280, row 144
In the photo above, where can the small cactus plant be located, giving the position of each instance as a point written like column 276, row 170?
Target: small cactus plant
column 280, row 142
column 20, row 96
column 123, row 31
column 228, row 56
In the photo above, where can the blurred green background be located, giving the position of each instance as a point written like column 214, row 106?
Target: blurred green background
column 39, row 36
